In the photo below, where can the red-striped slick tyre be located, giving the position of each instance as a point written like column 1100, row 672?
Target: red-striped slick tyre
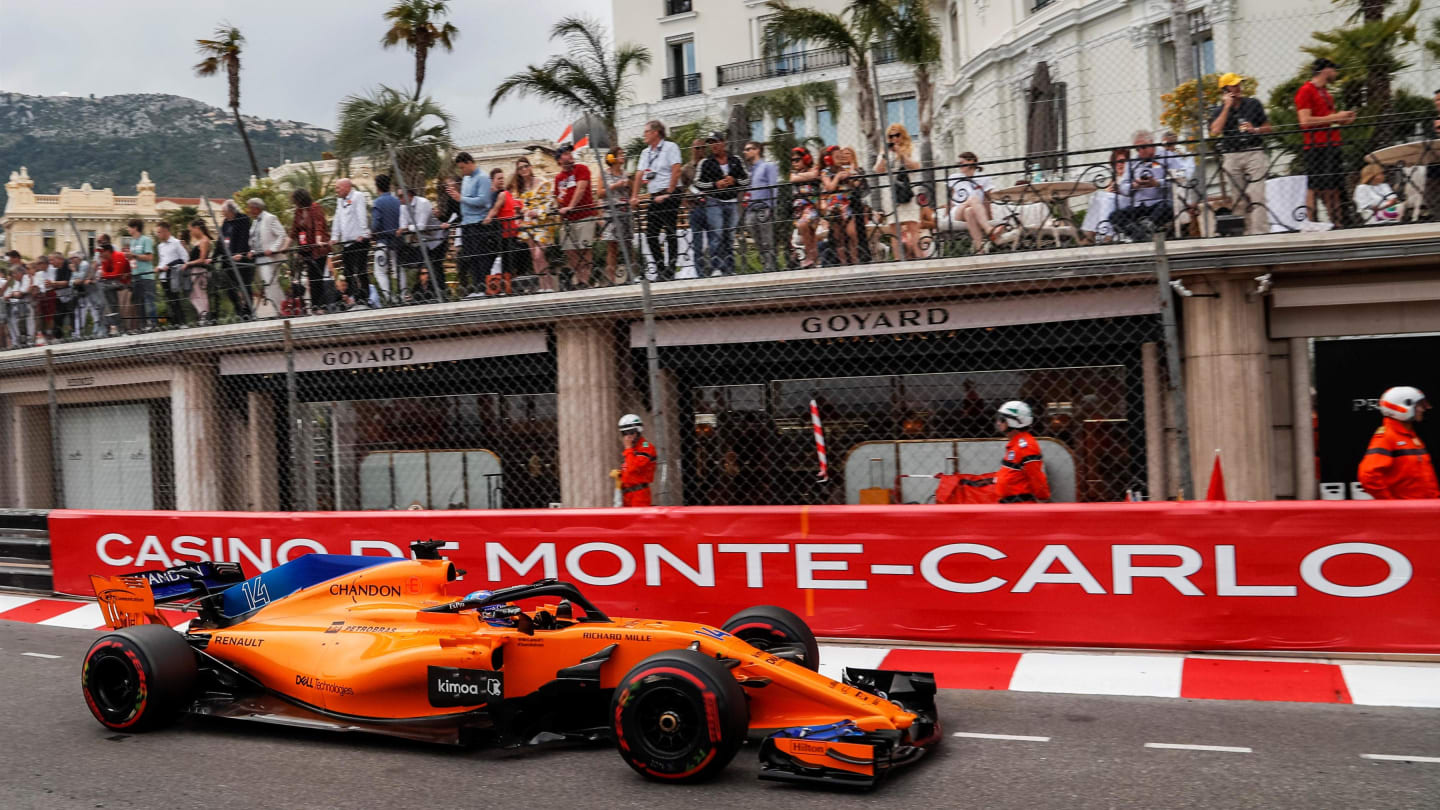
column 679, row 716
column 766, row 627
column 138, row 678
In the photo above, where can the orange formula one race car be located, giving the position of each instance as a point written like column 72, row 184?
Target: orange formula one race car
column 375, row 644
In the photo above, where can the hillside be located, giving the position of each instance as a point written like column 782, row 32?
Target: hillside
column 189, row 148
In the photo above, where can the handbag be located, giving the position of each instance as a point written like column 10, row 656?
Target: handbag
column 903, row 192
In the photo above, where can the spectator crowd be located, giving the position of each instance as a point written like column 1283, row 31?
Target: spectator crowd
column 712, row 211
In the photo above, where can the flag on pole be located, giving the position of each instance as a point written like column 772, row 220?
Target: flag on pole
column 568, row 136
column 819, row 440
column 1217, row 481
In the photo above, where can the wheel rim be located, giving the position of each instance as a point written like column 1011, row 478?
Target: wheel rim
column 670, row 721
column 114, row 684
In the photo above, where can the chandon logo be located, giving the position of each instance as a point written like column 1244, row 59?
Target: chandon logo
column 351, row 589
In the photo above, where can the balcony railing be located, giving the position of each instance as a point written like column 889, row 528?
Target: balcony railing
column 781, row 65
column 884, row 53
column 677, row 86
column 678, row 7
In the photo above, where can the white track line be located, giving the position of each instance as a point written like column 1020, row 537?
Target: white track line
column 9, row 602
column 1230, row 749
column 39, row 655
column 1399, row 758
column 1080, row 674
column 975, row 735
column 1392, row 685
column 83, row 617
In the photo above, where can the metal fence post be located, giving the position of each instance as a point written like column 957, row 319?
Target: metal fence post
column 57, row 459
column 1175, row 381
column 299, row 489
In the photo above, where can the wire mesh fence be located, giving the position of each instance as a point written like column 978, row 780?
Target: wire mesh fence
column 469, row 336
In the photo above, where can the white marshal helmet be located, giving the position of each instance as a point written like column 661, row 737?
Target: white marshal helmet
column 1016, row 414
column 1401, row 402
column 630, row 423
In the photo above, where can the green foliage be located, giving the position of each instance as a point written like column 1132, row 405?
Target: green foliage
column 314, row 183
column 275, row 195
column 788, row 104
column 180, row 219
column 1367, row 52
column 416, row 24
column 417, row 129
column 592, row 76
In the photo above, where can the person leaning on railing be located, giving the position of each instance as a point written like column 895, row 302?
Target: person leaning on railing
column 268, row 249
column 659, row 172
column 614, row 188
column 575, row 201
column 1239, row 122
column 235, row 235
column 350, row 231
column 311, row 238
column 721, row 178
column 899, row 196
column 759, row 200
column 115, row 281
column 170, row 253
column 1144, row 192
column 805, row 204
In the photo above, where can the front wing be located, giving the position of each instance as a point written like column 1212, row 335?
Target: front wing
column 841, row 754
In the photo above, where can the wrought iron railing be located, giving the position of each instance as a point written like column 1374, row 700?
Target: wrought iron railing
column 785, row 64
column 1101, row 197
column 677, row 86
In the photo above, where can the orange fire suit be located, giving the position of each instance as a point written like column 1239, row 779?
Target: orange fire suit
column 637, row 474
column 1021, row 477
column 1397, row 465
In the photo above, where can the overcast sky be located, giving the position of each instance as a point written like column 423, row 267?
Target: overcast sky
column 301, row 58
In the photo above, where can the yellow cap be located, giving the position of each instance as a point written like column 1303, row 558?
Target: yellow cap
column 1230, row 79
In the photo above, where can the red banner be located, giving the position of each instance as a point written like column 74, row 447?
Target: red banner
column 1353, row 576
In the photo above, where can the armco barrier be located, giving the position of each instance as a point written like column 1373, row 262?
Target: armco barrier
column 1358, row 576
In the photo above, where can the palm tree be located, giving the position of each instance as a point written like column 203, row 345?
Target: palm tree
column 916, row 38
column 587, row 79
column 855, row 31
column 416, row 24
column 786, row 104
column 224, row 50
column 417, row 129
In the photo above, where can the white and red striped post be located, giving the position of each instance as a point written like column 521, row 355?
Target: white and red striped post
column 819, row 440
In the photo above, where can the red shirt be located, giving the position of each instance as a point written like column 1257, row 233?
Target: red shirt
column 309, row 231
column 1319, row 102
column 565, row 186
column 117, row 267
column 637, row 474
column 508, row 213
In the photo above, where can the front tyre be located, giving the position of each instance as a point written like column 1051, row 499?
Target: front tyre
column 679, row 716
column 776, row 630
column 138, row 678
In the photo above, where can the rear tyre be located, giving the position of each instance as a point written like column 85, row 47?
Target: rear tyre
column 139, row 678
column 766, row 627
column 679, row 716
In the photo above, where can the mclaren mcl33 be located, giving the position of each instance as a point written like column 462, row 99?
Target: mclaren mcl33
column 376, row 644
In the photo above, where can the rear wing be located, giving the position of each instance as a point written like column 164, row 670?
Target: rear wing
column 130, row 599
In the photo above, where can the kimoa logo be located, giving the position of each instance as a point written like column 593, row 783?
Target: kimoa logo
column 459, row 688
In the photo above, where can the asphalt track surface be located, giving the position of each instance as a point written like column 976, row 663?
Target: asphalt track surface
column 1087, row 752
